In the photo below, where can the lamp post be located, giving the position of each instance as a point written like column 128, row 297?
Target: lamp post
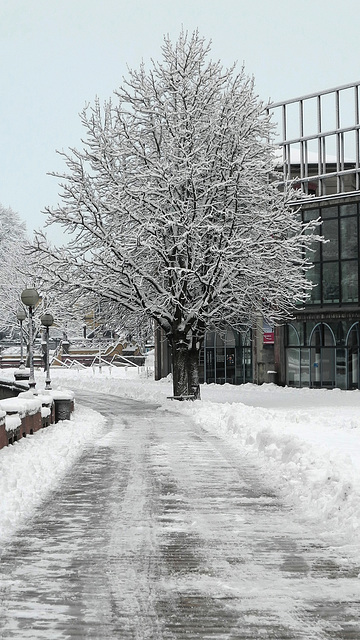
column 30, row 298
column 47, row 320
column 21, row 315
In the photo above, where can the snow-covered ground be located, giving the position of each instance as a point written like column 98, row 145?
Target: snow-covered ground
column 308, row 443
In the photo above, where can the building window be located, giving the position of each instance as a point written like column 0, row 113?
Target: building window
column 335, row 271
column 226, row 357
column 322, row 357
column 323, row 354
column 349, row 281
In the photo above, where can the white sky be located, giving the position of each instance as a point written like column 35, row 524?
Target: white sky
column 56, row 55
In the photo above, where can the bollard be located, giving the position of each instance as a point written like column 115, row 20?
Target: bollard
column 62, row 409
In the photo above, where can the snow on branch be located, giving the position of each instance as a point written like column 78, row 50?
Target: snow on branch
column 172, row 202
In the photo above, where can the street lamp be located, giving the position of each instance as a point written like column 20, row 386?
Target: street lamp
column 47, row 320
column 21, row 315
column 30, row 298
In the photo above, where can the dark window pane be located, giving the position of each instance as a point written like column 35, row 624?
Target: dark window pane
column 353, row 360
column 247, row 369
column 348, row 209
column 219, row 338
column 349, row 281
column 220, row 362
column 349, row 240
column 305, row 366
column 309, row 327
column 353, row 337
column 330, row 282
column 340, row 332
column 246, row 338
column 240, row 366
column 313, row 254
column 293, row 336
column 210, row 337
column 317, row 338
column 311, row 214
column 293, row 367
column 230, row 365
column 328, row 367
column 230, row 338
column 330, row 232
column 340, row 369
column 322, row 336
column 210, row 365
column 300, row 327
column 329, row 212
column 353, row 356
column 314, row 275
column 328, row 336
column 315, row 367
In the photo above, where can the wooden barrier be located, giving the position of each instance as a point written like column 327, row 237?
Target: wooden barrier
column 3, row 434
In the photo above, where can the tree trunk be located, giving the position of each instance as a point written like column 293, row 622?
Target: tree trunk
column 185, row 363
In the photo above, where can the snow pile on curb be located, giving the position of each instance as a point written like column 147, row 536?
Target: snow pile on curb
column 323, row 480
column 34, row 466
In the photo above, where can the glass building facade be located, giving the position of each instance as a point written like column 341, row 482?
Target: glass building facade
column 322, row 343
column 319, row 136
column 336, row 262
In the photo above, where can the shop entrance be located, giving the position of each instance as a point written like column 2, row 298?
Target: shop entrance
column 226, row 357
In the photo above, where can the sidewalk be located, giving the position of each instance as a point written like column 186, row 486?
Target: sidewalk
column 163, row 530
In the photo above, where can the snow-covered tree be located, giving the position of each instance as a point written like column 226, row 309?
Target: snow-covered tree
column 173, row 205
column 13, row 258
column 19, row 270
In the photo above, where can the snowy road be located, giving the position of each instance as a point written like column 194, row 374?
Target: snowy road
column 164, row 531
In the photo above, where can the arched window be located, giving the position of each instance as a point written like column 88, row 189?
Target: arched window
column 229, row 337
column 352, row 338
column 353, row 344
column 293, row 357
column 293, row 338
column 322, row 356
column 322, row 336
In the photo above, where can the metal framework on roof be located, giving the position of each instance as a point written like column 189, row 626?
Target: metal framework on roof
column 319, row 134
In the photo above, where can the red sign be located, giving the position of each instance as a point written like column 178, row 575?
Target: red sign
column 268, row 333
column 269, row 338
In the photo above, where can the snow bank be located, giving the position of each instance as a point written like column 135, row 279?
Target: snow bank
column 22, row 404
column 34, row 466
column 316, row 472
